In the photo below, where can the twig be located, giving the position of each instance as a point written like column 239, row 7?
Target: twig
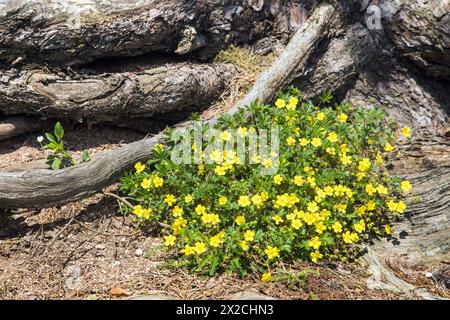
column 160, row 224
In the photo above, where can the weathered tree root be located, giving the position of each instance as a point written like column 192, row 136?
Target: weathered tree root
column 111, row 97
column 41, row 188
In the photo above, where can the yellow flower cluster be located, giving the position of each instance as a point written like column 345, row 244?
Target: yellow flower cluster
column 330, row 191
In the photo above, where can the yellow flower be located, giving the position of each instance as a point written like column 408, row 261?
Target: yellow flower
column 392, row 205
column 342, row 117
column 337, row 227
column 266, row 277
column 303, row 142
column 347, row 237
column 406, row 186
column 264, row 196
column 188, row 250
column 370, row 189
column 178, row 224
column 146, row 183
column 312, row 207
column 158, row 181
column 137, row 211
column 332, row 137
column 280, row 103
column 290, row 141
column 291, row 106
column 257, row 200
column 240, row 220
column 328, row 190
column 320, row 228
column 277, row 219
column 170, row 199
column 315, row 255
column 277, row 179
column 169, row 240
column 225, row 135
column 139, row 167
column 217, row 240
column 364, row 164
column 200, row 209
column 210, row 218
column 220, row 170
column 379, row 159
column 331, row 151
column 244, row 245
column 406, row 132
column 360, row 226
column 267, row 163
column 296, row 224
column 371, row 205
column 360, row 175
column 249, row 235
column 199, row 247
column 382, row 190
column 387, row 229
column 341, row 207
column 345, row 159
column 388, row 147
column 188, row 198
column 201, row 169
column 298, row 180
column 401, row 206
column 158, row 147
column 244, row 201
column 223, row 200
column 320, row 116
column 242, row 132
column 324, row 214
column 272, row 252
column 177, row 211
column 315, row 243
column 361, row 210
column 316, row 142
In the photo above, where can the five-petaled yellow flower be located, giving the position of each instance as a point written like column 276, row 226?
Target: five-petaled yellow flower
column 169, row 240
column 139, row 167
column 266, row 277
column 272, row 252
column 249, row 235
column 406, row 132
column 240, row 220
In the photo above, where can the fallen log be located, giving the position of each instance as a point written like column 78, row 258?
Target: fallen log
column 14, row 126
column 42, row 188
column 69, row 32
column 109, row 97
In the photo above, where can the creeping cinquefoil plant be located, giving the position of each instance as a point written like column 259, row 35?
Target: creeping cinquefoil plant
column 328, row 189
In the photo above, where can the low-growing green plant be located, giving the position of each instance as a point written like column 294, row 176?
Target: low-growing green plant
column 331, row 190
column 60, row 157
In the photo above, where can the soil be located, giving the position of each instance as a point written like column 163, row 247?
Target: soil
column 89, row 250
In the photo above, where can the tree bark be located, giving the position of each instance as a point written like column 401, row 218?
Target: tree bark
column 64, row 32
column 113, row 96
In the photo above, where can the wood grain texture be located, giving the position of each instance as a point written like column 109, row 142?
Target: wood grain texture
column 113, row 96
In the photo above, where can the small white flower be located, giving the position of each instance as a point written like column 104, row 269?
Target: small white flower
column 40, row 139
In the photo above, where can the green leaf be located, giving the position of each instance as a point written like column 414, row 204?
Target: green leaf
column 59, row 130
column 86, row 156
column 56, row 164
column 50, row 137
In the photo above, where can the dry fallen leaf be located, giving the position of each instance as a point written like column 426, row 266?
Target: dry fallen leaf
column 119, row 292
